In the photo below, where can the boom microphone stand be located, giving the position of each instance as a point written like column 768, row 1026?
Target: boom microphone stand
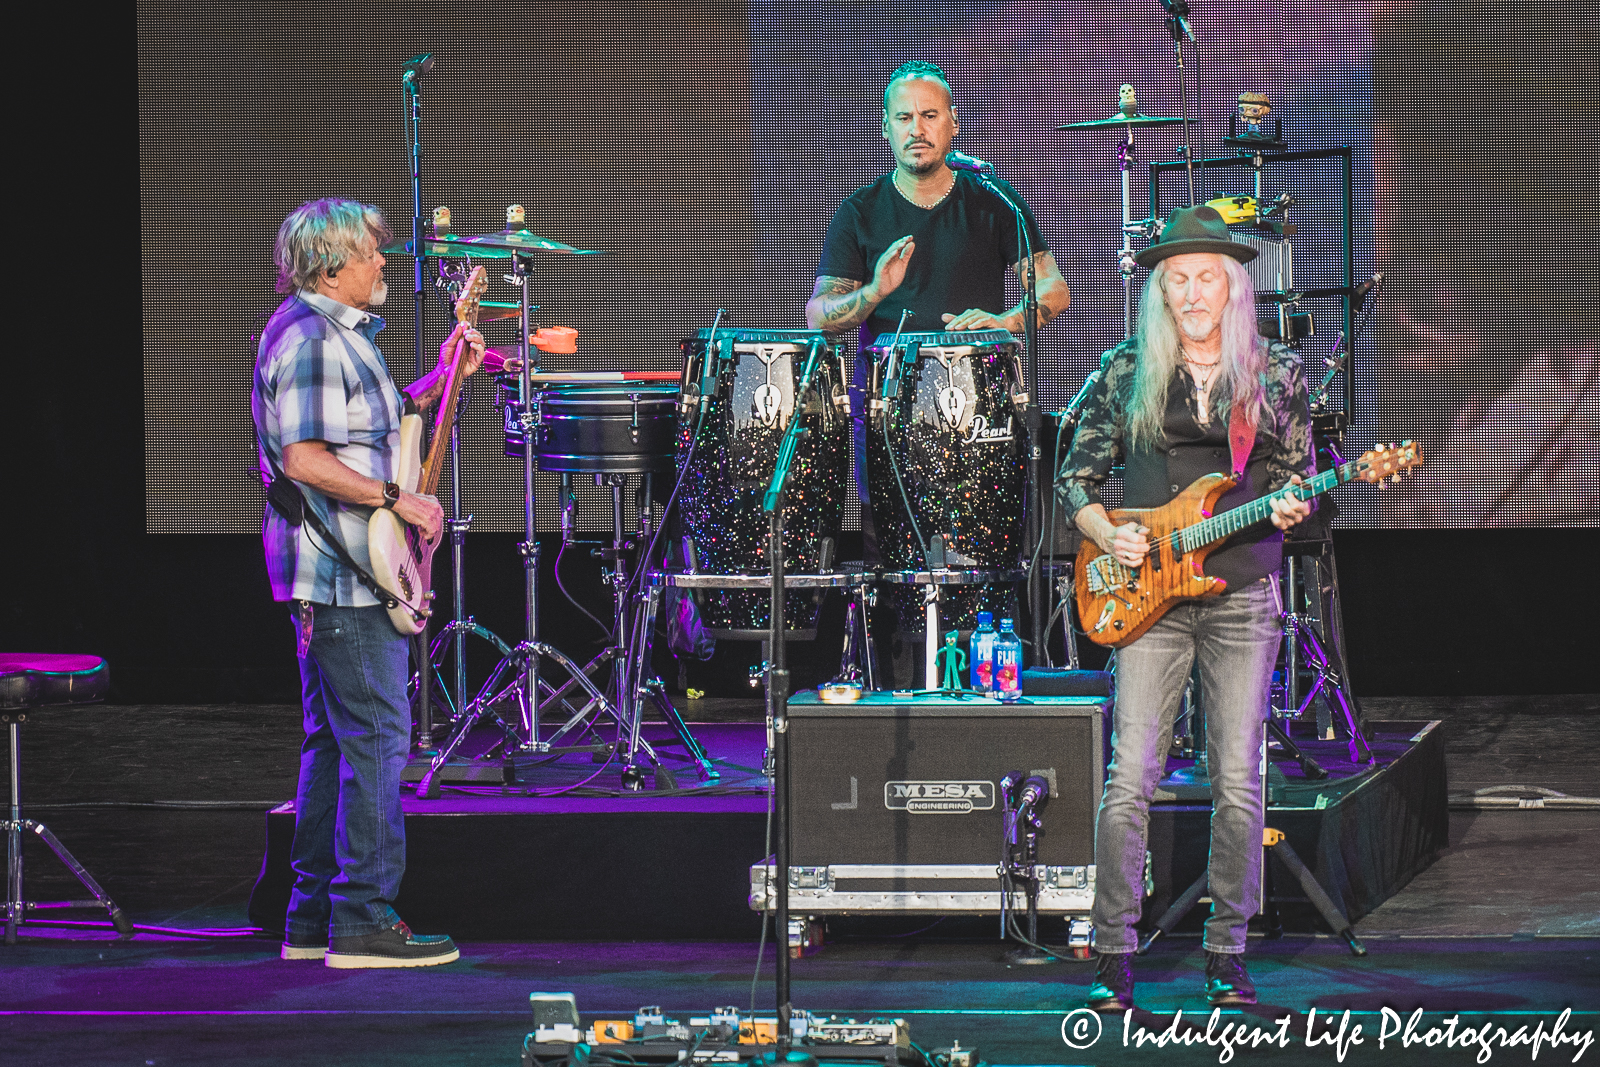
column 1178, row 28
column 416, row 67
column 778, row 693
column 1032, row 417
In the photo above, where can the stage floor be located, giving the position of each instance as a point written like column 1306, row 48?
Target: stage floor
column 1506, row 921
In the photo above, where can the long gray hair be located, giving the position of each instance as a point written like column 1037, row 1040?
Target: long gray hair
column 1244, row 356
column 323, row 235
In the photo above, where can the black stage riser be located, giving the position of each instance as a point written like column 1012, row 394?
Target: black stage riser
column 646, row 874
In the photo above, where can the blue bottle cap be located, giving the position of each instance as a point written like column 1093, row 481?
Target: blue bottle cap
column 985, row 618
column 1005, row 624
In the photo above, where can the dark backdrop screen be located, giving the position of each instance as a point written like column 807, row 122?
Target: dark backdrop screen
column 705, row 145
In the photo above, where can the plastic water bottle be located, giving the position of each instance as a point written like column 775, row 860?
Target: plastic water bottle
column 1007, row 663
column 981, row 651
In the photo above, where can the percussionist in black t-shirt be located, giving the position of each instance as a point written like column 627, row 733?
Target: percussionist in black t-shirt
column 925, row 237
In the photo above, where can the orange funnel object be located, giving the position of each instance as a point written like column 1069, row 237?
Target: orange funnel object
column 555, row 339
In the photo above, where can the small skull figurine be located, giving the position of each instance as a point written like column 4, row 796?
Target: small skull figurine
column 1254, row 107
column 441, row 221
column 516, row 217
column 1127, row 101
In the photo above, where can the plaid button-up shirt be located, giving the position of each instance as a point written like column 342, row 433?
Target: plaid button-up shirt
column 320, row 377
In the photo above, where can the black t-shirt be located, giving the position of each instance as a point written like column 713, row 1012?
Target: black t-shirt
column 965, row 244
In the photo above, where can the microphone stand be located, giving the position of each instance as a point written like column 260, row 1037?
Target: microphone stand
column 778, row 693
column 1177, row 27
column 413, row 118
column 1032, row 417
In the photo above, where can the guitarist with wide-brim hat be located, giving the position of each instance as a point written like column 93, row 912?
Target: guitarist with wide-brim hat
column 1195, row 391
column 327, row 416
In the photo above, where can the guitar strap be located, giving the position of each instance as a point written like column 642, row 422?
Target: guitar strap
column 288, row 501
column 1241, row 440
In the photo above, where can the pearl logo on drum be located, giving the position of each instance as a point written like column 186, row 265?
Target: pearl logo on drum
column 980, row 432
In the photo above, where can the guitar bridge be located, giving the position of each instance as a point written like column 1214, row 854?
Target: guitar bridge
column 1105, row 576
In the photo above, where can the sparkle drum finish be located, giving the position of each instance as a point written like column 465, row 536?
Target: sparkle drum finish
column 952, row 406
column 741, row 393
column 625, row 428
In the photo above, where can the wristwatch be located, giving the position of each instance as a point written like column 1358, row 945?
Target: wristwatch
column 391, row 494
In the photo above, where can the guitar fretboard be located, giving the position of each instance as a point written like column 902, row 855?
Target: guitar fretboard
column 1229, row 523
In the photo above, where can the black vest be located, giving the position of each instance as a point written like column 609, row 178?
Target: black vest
column 1186, row 451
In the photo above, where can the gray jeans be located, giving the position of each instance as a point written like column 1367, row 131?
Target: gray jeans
column 1235, row 640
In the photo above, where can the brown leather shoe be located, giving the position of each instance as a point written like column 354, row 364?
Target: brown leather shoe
column 1113, row 982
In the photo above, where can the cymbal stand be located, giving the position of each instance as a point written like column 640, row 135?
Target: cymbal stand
column 524, row 659
column 1130, row 229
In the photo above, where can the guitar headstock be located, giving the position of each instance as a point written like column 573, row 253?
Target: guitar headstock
column 1387, row 461
column 471, row 297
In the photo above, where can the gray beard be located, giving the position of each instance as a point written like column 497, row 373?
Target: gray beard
column 380, row 294
column 1193, row 330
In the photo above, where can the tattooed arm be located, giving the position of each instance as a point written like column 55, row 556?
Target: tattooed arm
column 839, row 304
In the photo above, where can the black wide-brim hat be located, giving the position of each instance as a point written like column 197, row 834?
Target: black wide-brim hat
column 1194, row 229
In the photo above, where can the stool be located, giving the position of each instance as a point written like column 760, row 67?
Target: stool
column 30, row 680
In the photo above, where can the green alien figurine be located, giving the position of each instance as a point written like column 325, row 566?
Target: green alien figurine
column 955, row 661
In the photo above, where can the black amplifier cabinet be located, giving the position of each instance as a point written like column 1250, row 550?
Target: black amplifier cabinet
column 895, row 802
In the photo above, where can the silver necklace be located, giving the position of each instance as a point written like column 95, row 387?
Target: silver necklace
column 926, row 207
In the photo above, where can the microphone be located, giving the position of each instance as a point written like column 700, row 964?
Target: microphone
column 1031, row 798
column 419, row 65
column 1177, row 9
column 961, row 161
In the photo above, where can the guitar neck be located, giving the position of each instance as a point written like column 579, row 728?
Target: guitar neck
column 1231, row 522
column 428, row 482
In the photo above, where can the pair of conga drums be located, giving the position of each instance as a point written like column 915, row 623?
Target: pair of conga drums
column 940, row 433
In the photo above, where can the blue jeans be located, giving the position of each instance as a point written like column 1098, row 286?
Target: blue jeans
column 1235, row 640
column 349, row 834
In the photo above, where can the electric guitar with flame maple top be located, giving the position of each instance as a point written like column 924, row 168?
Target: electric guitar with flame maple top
column 402, row 559
column 1117, row 603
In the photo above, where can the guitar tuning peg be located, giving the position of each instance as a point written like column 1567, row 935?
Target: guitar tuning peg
column 1395, row 479
column 1383, row 483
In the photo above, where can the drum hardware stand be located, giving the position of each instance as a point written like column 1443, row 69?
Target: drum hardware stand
column 1301, row 644
column 628, row 655
column 524, row 658
column 858, row 662
column 1130, row 229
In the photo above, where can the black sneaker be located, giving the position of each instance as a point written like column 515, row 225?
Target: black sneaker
column 1227, row 982
column 394, row 947
column 295, row 948
column 1113, row 982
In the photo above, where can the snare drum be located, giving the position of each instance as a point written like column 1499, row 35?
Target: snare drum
column 741, row 393
column 945, row 423
column 625, row 428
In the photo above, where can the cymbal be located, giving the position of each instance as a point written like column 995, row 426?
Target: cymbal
column 524, row 241
column 1119, row 119
column 451, row 247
